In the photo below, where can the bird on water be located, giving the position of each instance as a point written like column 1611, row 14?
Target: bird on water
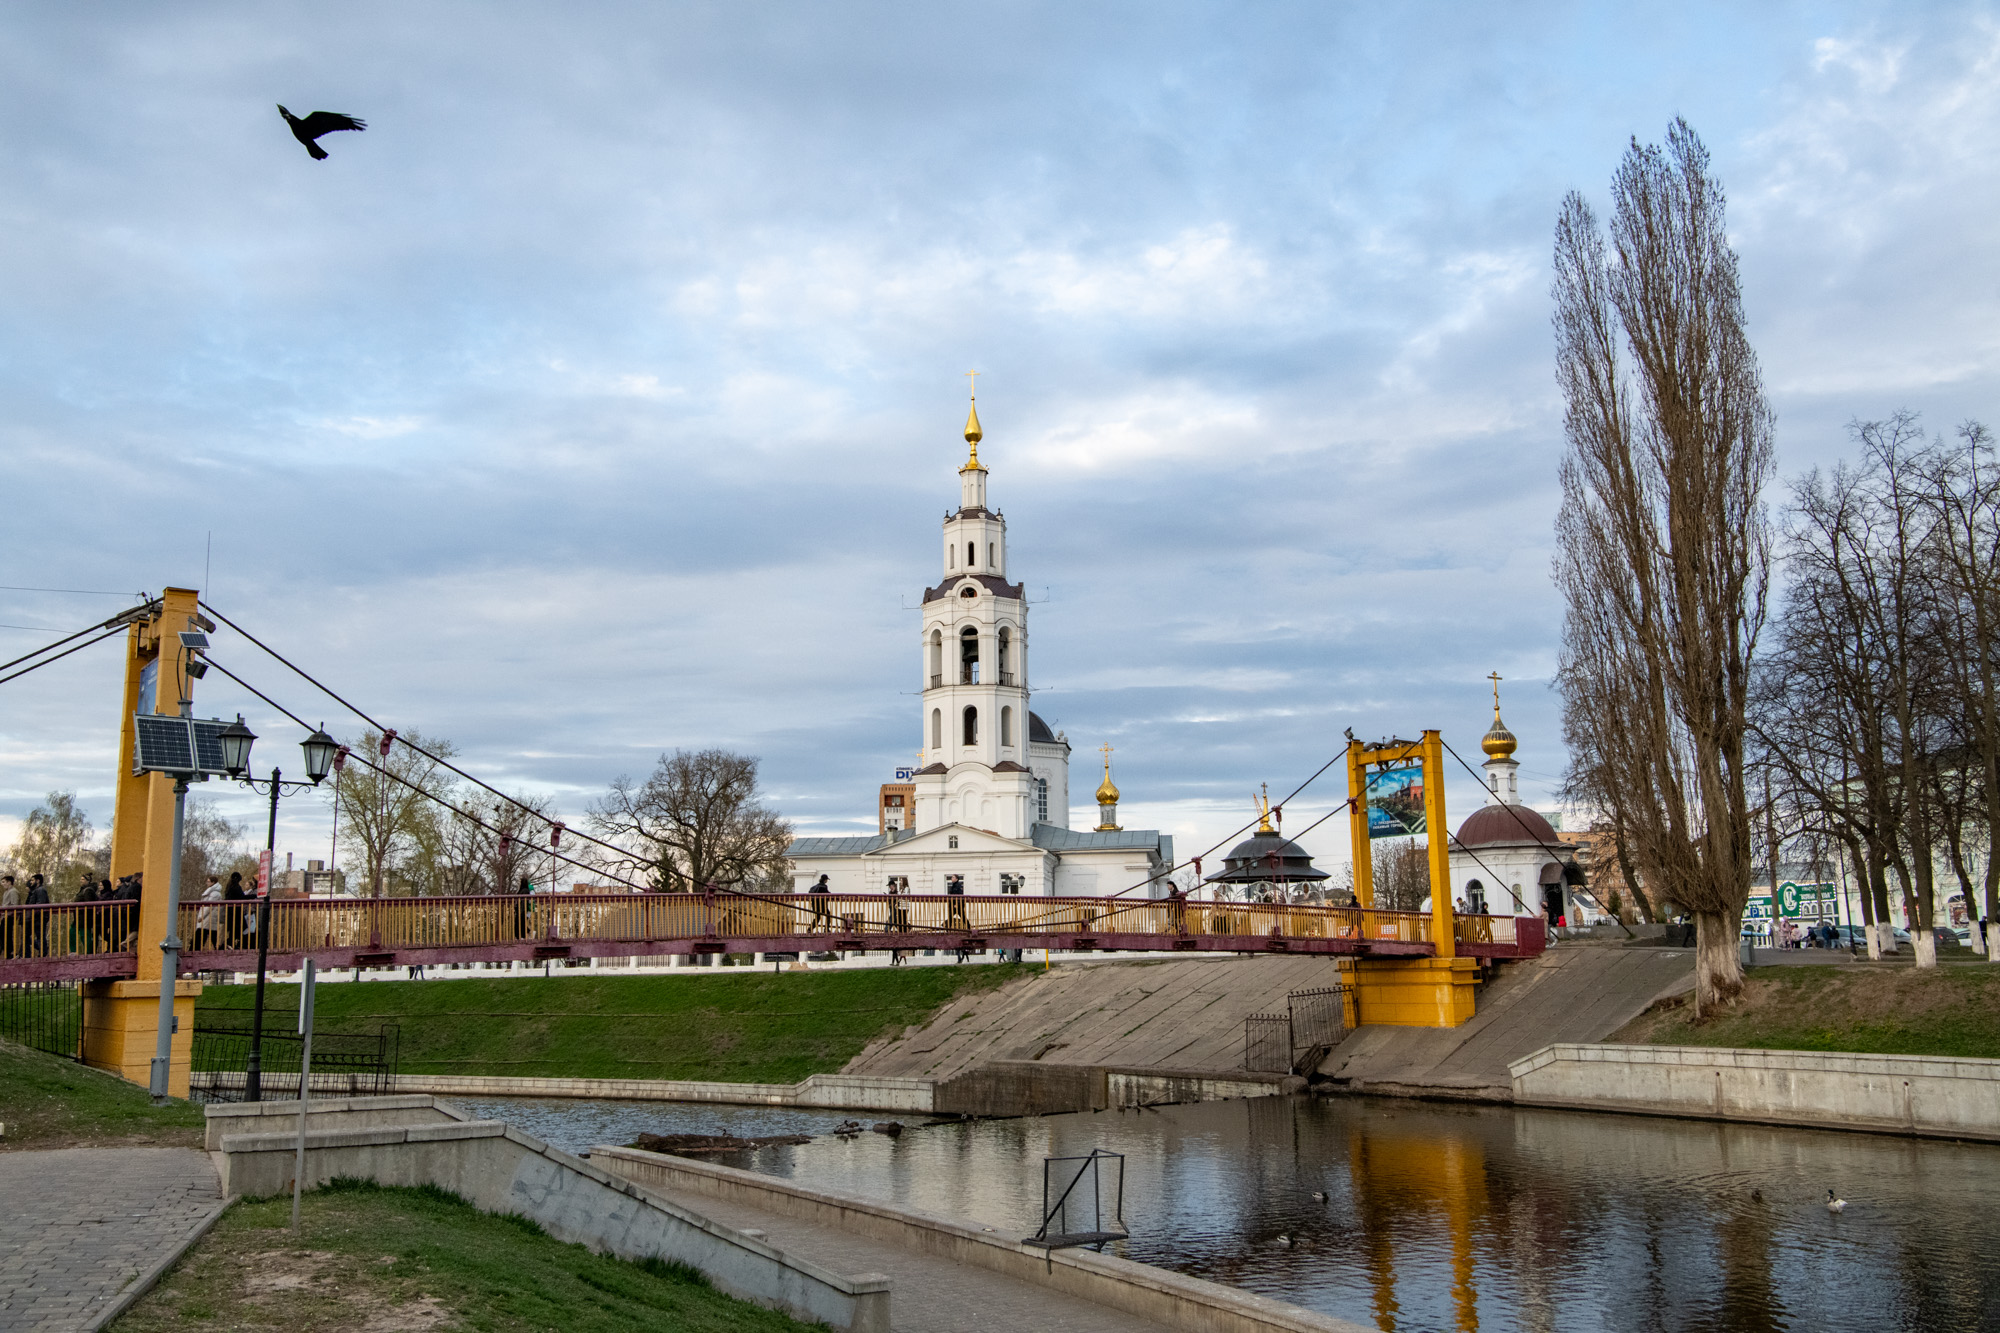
column 309, row 129
column 1834, row 1203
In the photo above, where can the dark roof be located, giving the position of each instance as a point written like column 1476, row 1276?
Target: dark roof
column 836, row 846
column 997, row 586
column 1038, row 730
column 1009, row 766
column 1052, row 839
column 1263, row 858
column 1497, row 825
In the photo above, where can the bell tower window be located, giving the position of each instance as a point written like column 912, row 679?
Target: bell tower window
column 971, row 725
column 937, row 728
column 1006, row 726
column 1006, row 677
column 968, row 656
column 970, row 558
column 937, row 657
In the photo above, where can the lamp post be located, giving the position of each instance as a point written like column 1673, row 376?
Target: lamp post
column 320, row 748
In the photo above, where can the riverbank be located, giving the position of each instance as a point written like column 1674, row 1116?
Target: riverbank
column 372, row 1257
column 1869, row 1010
column 47, row 1101
column 763, row 1028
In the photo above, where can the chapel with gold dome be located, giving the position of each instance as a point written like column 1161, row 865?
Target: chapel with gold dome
column 1507, row 857
column 986, row 810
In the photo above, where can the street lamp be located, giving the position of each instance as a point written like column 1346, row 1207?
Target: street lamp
column 320, row 749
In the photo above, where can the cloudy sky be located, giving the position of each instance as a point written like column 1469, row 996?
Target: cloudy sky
column 604, row 396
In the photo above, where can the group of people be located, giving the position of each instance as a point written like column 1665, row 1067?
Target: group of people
column 32, row 936
column 1797, row 935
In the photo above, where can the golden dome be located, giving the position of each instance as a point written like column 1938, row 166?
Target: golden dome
column 973, row 435
column 1499, row 742
column 1107, row 791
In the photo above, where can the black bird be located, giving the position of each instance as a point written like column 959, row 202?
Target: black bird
column 318, row 123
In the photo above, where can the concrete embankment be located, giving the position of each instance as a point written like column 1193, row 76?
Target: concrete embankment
column 757, row 1238
column 1572, row 993
column 499, row 1169
column 1930, row 1096
column 936, row 1254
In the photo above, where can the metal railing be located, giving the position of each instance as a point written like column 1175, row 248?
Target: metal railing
column 344, row 1064
column 69, row 931
column 1267, row 1043
column 46, row 1015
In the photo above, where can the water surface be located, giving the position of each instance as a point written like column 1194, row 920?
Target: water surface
column 1444, row 1217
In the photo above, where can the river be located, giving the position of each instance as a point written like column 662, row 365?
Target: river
column 1440, row 1216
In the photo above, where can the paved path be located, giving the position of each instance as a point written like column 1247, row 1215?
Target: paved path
column 929, row 1294
column 78, row 1224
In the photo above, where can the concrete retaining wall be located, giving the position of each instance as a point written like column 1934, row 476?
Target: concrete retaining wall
column 322, row 1114
column 1907, row 1094
column 501, row 1170
column 1169, row 1300
column 837, row 1092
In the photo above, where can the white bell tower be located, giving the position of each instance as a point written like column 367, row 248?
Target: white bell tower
column 975, row 672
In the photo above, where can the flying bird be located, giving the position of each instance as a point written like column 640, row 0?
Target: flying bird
column 318, row 123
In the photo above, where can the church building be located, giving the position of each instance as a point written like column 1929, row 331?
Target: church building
column 1507, row 858
column 988, row 810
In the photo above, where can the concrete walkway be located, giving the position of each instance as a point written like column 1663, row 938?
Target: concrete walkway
column 77, row 1225
column 929, row 1294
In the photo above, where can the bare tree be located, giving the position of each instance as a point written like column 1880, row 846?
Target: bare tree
column 382, row 815
column 1664, row 549
column 210, row 842
column 695, row 822
column 54, row 843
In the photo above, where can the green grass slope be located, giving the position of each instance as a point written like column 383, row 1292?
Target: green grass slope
column 756, row 1028
column 47, row 1101
column 1877, row 1010
column 412, row 1259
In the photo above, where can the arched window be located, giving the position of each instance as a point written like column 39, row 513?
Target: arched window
column 1006, row 726
column 968, row 656
column 971, row 725
column 937, row 728
column 1006, row 677
column 1041, row 800
column 953, row 553
column 991, row 561
column 937, row 657
column 970, row 558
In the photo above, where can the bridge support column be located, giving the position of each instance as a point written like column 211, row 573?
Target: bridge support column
column 121, row 1029
column 1414, row 992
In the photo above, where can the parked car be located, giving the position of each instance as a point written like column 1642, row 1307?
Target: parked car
column 1852, row 937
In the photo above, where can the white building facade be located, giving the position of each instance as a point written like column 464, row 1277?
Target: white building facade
column 990, row 809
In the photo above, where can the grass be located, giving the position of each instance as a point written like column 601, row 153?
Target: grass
column 1875, row 1010
column 758, row 1028
column 47, row 1101
column 369, row 1257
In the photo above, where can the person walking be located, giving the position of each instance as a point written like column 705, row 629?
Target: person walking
column 38, row 922
column 232, row 924
column 10, row 896
column 208, row 920
column 819, row 893
column 521, row 908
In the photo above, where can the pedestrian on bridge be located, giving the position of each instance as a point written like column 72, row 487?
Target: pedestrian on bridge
column 10, row 896
column 521, row 906
column 821, row 912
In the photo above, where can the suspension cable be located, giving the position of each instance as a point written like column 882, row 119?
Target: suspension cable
column 59, row 656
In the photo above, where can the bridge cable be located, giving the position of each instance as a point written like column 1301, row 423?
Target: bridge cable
column 439, row 760
column 59, row 656
column 1533, row 836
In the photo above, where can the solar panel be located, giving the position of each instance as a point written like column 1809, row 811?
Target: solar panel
column 208, row 743
column 165, row 744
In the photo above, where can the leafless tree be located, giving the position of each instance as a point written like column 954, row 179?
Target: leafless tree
column 210, row 843
column 54, row 843
column 1663, row 543
column 382, row 815
column 697, row 821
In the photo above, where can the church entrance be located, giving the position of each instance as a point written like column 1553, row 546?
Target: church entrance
column 1552, row 904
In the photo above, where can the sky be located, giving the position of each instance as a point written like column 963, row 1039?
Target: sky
column 603, row 397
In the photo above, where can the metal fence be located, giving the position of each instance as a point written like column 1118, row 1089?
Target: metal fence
column 344, row 1064
column 1319, row 1017
column 1267, row 1043
column 47, row 1015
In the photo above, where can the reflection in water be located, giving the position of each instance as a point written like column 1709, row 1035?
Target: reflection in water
column 1446, row 1217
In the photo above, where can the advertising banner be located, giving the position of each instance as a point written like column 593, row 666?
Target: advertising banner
column 1396, row 802
column 264, row 870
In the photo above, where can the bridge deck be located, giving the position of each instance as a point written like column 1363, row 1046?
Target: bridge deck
column 78, row 941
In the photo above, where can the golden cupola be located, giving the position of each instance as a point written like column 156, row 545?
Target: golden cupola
column 1107, row 798
column 973, row 435
column 1499, row 742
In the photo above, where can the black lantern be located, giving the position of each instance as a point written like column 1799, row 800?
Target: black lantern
column 235, row 740
column 320, row 749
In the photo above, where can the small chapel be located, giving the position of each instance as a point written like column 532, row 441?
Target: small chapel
column 1508, row 859
column 987, row 810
